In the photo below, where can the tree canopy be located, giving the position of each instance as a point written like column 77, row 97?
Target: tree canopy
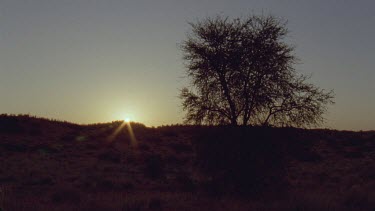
column 242, row 72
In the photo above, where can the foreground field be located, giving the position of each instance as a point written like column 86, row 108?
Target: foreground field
column 52, row 165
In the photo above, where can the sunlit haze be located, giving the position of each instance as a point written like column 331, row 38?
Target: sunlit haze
column 89, row 61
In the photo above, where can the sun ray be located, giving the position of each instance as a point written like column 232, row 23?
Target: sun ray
column 127, row 124
column 116, row 132
column 133, row 140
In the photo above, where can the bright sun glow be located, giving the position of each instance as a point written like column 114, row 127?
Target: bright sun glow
column 126, row 117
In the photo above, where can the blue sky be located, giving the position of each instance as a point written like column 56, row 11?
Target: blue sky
column 96, row 61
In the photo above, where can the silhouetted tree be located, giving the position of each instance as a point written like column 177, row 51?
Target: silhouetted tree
column 242, row 72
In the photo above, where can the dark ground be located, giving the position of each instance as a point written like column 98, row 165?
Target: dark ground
column 52, row 165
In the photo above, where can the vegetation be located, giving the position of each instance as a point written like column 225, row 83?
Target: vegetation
column 242, row 72
column 183, row 168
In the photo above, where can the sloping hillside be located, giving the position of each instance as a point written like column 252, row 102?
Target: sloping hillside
column 53, row 165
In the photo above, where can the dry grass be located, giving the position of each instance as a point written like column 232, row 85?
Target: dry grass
column 53, row 165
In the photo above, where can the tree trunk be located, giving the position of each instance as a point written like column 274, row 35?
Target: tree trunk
column 233, row 122
column 232, row 106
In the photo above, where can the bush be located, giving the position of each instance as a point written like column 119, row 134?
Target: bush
column 155, row 204
column 359, row 198
column 133, row 205
column 66, row 195
column 180, row 147
column 309, row 201
column 154, row 168
column 14, row 147
column 10, row 124
column 186, row 183
column 243, row 160
column 111, row 156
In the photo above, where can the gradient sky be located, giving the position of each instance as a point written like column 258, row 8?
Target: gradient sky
column 88, row 61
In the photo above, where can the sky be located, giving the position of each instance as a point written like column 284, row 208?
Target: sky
column 88, row 61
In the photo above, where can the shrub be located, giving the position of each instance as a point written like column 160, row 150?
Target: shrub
column 359, row 198
column 309, row 201
column 155, row 204
column 66, row 195
column 144, row 147
column 10, row 124
column 186, row 182
column 243, row 160
column 180, row 147
column 111, row 156
column 14, row 147
column 133, row 205
column 154, row 167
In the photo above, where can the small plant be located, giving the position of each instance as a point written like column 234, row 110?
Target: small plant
column 14, row 147
column 181, row 148
column 144, row 147
column 359, row 198
column 133, row 205
column 66, row 196
column 114, row 157
column 309, row 202
column 2, row 198
column 170, row 133
column 155, row 204
column 186, row 182
column 154, row 168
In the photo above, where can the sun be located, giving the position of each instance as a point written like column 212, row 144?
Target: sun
column 127, row 119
